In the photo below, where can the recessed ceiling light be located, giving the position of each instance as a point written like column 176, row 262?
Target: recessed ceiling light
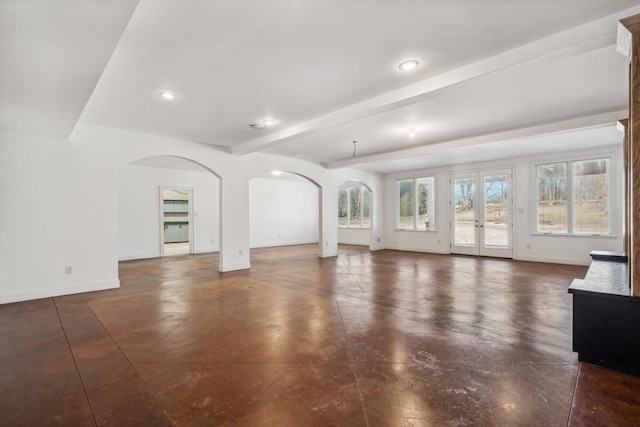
column 268, row 122
column 409, row 64
column 167, row 95
column 412, row 132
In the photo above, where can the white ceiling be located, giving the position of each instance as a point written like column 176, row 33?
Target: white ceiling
column 493, row 74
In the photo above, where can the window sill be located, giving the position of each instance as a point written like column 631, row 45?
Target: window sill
column 418, row 230
column 604, row 236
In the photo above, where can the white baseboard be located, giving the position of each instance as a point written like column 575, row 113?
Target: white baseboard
column 410, row 249
column 59, row 291
column 136, row 257
column 234, row 267
column 354, row 242
column 276, row 244
column 554, row 260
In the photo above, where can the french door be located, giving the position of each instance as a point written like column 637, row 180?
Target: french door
column 481, row 213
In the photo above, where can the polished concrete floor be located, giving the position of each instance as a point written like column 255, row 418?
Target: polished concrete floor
column 365, row 339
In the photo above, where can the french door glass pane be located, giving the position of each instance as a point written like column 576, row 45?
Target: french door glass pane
column 496, row 234
column 465, row 220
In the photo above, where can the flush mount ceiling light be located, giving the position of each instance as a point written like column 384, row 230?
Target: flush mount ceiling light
column 167, row 95
column 276, row 173
column 264, row 124
column 410, row 64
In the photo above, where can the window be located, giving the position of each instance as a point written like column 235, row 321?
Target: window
column 573, row 197
column 354, row 207
column 552, row 198
column 415, row 204
column 591, row 196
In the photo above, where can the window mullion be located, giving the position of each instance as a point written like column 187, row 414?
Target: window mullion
column 361, row 205
column 348, row 207
column 570, row 199
column 415, row 203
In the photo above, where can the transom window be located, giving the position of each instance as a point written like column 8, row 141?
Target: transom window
column 354, row 206
column 415, row 203
column 573, row 197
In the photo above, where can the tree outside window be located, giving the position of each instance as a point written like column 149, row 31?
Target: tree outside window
column 415, row 204
column 573, row 197
column 354, row 206
column 591, row 196
column 552, row 198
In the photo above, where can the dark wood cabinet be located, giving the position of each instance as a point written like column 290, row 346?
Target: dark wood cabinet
column 606, row 318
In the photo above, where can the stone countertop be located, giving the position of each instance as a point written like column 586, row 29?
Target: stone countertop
column 605, row 277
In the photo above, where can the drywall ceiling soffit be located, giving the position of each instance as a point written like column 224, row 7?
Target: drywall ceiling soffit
column 479, row 113
column 52, row 54
column 318, row 66
column 485, row 109
column 497, row 147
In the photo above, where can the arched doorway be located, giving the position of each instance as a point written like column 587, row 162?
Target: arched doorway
column 147, row 216
column 285, row 209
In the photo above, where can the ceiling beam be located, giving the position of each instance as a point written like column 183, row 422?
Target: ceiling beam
column 575, row 41
column 511, row 135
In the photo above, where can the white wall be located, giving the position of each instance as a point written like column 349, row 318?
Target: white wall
column 58, row 208
column 354, row 236
column 59, row 205
column 139, row 209
column 282, row 212
column 527, row 245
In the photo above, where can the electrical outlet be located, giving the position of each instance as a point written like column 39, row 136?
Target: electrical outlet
column 68, row 269
column 240, row 252
column 213, row 240
column 528, row 246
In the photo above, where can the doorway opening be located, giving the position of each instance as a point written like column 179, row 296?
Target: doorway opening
column 177, row 223
column 285, row 209
column 141, row 208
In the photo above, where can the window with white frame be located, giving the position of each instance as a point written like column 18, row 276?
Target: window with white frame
column 415, row 203
column 354, row 206
column 573, row 197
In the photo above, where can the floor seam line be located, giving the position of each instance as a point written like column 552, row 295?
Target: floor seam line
column 75, row 361
column 231, row 331
column 351, row 364
column 352, row 276
column 130, row 362
column 575, row 390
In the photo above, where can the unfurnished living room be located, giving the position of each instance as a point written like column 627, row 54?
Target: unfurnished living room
column 320, row 212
